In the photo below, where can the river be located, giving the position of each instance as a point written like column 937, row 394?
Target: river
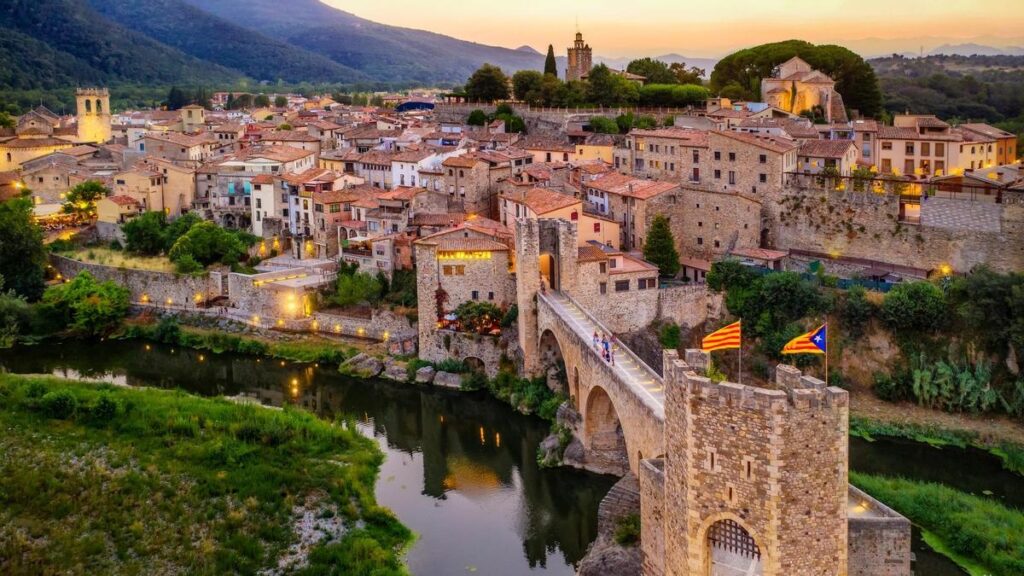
column 461, row 468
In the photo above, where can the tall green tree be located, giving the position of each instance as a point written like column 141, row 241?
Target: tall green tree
column 550, row 64
column 660, row 247
column 282, row 101
column 176, row 98
column 526, row 85
column 684, row 75
column 145, row 234
column 487, row 84
column 261, row 101
column 81, row 200
column 655, row 71
column 22, row 255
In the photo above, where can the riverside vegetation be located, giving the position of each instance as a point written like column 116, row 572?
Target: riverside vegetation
column 223, row 485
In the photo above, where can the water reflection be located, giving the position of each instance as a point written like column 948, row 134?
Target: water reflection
column 461, row 469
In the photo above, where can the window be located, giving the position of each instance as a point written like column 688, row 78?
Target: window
column 460, row 270
column 490, row 295
column 603, row 267
column 718, row 174
column 763, row 159
column 732, row 177
column 574, row 216
column 700, row 224
column 886, row 145
column 696, row 156
column 866, row 137
column 717, row 244
column 700, row 241
column 718, row 155
column 597, row 226
column 926, row 148
column 647, row 283
column 763, row 178
column 603, row 287
column 910, row 149
column 940, row 148
column 446, row 270
column 475, row 295
column 622, row 285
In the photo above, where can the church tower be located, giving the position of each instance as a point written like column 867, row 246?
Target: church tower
column 580, row 59
column 93, row 105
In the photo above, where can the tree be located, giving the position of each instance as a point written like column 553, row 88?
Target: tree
column 550, row 64
column 655, row 71
column 684, row 75
column 6, row 121
column 526, row 85
column 603, row 125
column 86, row 305
column 660, row 248
column 22, row 255
column 606, row 88
column 81, row 200
column 207, row 243
column 477, row 118
column 357, row 288
column 178, row 227
column 176, row 99
column 282, row 101
column 261, row 101
column 145, row 234
column 487, row 84
column 915, row 307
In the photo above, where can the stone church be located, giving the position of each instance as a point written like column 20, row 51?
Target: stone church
column 796, row 87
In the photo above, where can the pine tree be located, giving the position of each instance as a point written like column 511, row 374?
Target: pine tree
column 660, row 248
column 550, row 66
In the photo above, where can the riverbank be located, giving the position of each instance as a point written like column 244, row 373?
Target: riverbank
column 223, row 487
column 981, row 535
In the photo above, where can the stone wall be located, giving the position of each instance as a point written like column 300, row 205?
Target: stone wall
column 147, row 286
column 688, row 305
column 652, row 514
column 447, row 344
column 382, row 325
column 879, row 540
column 867, row 225
column 706, row 223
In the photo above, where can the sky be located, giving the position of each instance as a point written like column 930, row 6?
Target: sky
column 707, row 28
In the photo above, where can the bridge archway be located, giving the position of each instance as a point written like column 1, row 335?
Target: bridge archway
column 603, row 434
column 474, row 364
column 553, row 363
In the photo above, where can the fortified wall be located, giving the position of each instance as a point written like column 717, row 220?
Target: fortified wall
column 755, row 479
column 961, row 233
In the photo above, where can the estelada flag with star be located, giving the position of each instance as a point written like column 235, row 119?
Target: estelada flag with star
column 813, row 342
column 723, row 338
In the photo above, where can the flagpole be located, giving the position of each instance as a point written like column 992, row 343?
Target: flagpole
column 741, row 363
column 826, row 354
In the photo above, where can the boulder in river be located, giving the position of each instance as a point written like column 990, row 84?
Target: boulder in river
column 362, row 365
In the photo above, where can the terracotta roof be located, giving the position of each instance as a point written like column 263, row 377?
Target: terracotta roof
column 986, row 130
column 179, row 139
column 339, row 196
column 690, row 137
column 366, row 202
column 541, row 200
column 624, row 185
column 589, row 253
column 263, row 179
column 896, row 133
column 452, row 219
column 546, row 144
column 826, row 148
column 776, row 144
column 288, row 136
column 276, row 153
column 461, row 161
column 412, row 156
column 35, row 143
column 123, row 200
column 401, row 193
column 760, row 253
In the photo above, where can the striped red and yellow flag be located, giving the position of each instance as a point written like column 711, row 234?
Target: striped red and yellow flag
column 814, row 342
column 723, row 338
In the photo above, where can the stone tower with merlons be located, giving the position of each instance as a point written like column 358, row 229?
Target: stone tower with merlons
column 93, row 107
column 580, row 59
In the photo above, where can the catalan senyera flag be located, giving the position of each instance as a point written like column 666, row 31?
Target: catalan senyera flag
column 723, row 338
column 814, row 342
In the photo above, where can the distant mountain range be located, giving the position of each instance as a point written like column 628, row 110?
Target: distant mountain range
column 976, row 49
column 58, row 43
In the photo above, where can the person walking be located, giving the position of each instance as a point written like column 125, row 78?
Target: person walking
column 611, row 351
column 596, row 340
column 606, row 347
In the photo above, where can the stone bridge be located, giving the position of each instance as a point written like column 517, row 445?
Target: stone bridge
column 622, row 404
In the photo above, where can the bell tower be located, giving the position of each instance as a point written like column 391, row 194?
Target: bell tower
column 580, row 59
column 93, row 106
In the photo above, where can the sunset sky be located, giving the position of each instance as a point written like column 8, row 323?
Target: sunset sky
column 707, row 28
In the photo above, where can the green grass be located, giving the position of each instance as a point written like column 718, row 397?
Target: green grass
column 1011, row 454
column 938, row 545
column 97, row 479
column 982, row 535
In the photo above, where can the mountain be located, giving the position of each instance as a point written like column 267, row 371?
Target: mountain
column 56, row 43
column 529, row 50
column 971, row 49
column 382, row 52
column 208, row 37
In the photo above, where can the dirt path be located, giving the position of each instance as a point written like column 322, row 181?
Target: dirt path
column 989, row 428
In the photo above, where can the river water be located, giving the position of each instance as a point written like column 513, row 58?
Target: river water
column 461, row 468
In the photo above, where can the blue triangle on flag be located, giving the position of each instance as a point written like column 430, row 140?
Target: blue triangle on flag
column 820, row 338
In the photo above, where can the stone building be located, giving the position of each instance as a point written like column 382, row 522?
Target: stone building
column 677, row 154
column 708, row 224
column 580, row 59
column 796, row 87
column 624, row 199
column 467, row 181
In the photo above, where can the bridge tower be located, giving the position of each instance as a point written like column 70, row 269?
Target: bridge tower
column 93, row 114
column 752, row 478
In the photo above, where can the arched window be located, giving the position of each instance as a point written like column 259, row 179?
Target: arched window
column 99, row 106
column 88, row 106
column 8, row 156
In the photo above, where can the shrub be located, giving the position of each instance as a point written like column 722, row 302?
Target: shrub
column 356, row 288
column 60, row 404
column 452, row 365
column 510, row 317
column 86, row 305
column 167, row 330
column 670, row 336
column 915, row 307
column 856, row 311
column 104, row 410
column 627, row 530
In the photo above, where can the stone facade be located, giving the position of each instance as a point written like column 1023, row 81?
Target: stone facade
column 706, row 223
column 879, row 538
column 766, row 468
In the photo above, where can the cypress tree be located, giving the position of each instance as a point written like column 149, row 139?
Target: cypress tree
column 660, row 248
column 550, row 67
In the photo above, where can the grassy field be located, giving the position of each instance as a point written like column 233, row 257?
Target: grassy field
column 121, row 259
column 982, row 535
column 96, row 479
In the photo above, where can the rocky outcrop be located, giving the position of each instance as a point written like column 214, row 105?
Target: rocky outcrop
column 606, row 557
column 448, row 380
column 362, row 365
column 395, row 370
column 425, row 375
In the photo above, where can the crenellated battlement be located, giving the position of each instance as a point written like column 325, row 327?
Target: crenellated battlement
column 93, row 92
column 794, row 390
